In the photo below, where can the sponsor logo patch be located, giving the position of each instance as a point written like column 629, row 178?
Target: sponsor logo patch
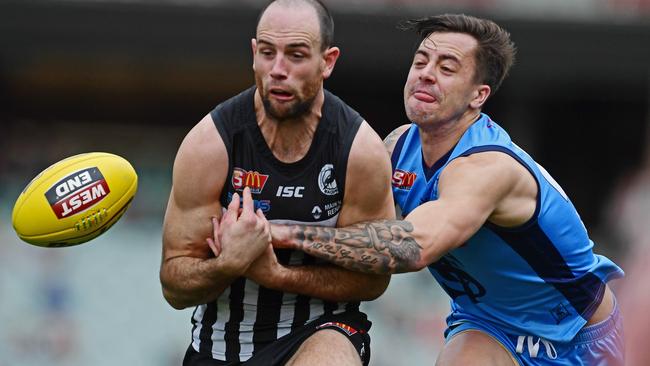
column 403, row 179
column 290, row 191
column 316, row 212
column 332, row 208
column 254, row 180
column 77, row 192
column 264, row 205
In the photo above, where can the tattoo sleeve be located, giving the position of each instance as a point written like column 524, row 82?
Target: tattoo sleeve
column 385, row 246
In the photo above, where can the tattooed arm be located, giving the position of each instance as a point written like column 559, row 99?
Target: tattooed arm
column 367, row 197
column 472, row 190
column 382, row 246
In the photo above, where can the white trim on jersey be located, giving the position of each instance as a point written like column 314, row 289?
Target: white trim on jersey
column 331, row 222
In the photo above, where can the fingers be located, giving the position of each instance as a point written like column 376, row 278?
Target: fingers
column 215, row 250
column 260, row 214
column 248, row 205
column 216, row 241
column 267, row 224
column 232, row 212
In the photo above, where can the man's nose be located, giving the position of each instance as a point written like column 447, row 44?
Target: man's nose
column 279, row 69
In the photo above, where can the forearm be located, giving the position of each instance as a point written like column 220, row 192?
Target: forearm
column 190, row 281
column 331, row 283
column 380, row 247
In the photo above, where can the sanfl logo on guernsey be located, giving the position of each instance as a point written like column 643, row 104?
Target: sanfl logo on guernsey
column 403, row 179
column 254, row 180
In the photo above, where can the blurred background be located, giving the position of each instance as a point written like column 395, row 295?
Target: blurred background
column 131, row 77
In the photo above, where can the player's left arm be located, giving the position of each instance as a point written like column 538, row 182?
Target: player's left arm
column 368, row 196
column 489, row 186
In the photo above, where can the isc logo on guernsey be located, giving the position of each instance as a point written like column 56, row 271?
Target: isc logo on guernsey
column 77, row 192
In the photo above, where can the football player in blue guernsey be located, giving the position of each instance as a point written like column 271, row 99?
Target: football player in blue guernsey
column 495, row 230
column 299, row 155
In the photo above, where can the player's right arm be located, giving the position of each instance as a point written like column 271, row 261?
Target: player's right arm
column 190, row 274
column 487, row 186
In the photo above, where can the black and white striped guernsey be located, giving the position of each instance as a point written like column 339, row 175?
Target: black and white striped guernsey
column 246, row 317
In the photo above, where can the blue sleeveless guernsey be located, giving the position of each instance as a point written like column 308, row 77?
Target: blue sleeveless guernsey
column 540, row 278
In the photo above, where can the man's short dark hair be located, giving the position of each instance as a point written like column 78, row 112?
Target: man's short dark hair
column 495, row 52
column 325, row 20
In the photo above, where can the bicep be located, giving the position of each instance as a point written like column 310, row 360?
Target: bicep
column 368, row 194
column 199, row 174
column 470, row 189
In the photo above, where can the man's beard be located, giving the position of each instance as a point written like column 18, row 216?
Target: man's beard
column 297, row 109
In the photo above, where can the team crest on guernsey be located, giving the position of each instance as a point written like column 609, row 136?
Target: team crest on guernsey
column 77, row 192
column 403, row 179
column 327, row 181
column 254, row 180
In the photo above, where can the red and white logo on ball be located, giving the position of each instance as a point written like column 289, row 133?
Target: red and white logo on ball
column 77, row 192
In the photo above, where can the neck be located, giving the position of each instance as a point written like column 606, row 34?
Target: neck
column 438, row 139
column 289, row 139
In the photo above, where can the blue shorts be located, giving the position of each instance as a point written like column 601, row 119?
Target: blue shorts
column 596, row 345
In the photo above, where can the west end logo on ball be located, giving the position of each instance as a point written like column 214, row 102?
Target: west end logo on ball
column 77, row 192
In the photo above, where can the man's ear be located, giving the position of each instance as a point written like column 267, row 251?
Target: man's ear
column 254, row 49
column 329, row 59
column 481, row 94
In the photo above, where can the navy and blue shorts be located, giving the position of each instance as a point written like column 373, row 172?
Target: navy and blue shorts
column 599, row 344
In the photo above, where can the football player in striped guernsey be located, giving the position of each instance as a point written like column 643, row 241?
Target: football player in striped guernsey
column 298, row 154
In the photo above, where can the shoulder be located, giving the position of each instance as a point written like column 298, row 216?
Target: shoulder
column 367, row 147
column 202, row 141
column 367, row 189
column 229, row 112
column 337, row 110
column 368, row 163
column 488, row 163
column 202, row 159
column 391, row 140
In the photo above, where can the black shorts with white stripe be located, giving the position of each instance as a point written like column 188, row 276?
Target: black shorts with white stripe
column 353, row 325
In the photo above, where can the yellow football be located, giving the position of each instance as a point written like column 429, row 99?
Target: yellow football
column 74, row 200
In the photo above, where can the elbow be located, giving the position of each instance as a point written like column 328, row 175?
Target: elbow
column 173, row 300
column 377, row 288
column 419, row 265
column 172, row 297
column 416, row 259
column 410, row 265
